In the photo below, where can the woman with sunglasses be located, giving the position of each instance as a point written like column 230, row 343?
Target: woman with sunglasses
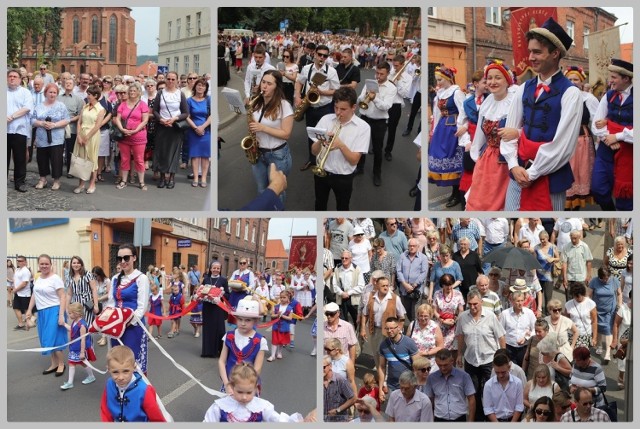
column 543, row 410
column 562, row 325
column 289, row 74
column 131, row 290
column 340, row 362
column 422, row 367
column 199, row 134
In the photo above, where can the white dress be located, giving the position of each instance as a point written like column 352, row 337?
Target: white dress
column 229, row 410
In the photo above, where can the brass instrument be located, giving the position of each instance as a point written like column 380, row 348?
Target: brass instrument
column 399, row 72
column 325, row 149
column 364, row 104
column 311, row 97
column 417, row 72
column 250, row 143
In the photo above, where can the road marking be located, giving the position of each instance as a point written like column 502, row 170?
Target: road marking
column 166, row 400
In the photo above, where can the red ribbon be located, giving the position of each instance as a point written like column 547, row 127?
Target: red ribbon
column 617, row 95
column 541, row 86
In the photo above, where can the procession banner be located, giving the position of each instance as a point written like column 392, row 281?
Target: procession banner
column 302, row 251
column 603, row 45
column 523, row 20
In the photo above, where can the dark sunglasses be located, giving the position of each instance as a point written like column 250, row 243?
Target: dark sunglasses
column 123, row 92
column 322, row 55
column 286, row 56
column 192, row 78
column 425, row 369
column 358, row 235
column 545, row 413
column 328, row 350
column 557, row 310
column 330, row 313
column 243, row 263
column 365, row 411
column 126, row 258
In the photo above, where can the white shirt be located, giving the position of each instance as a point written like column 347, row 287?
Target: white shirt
column 378, row 108
column 355, row 134
column 344, row 283
column 143, row 293
column 496, row 230
column 518, row 326
column 563, row 228
column 17, row 99
column 20, row 276
column 601, row 113
column 254, row 71
column 267, row 141
column 403, row 85
column 45, row 291
column 458, row 98
column 241, row 341
column 360, row 253
column 533, row 236
column 491, row 110
column 332, row 82
column 380, row 305
column 556, row 153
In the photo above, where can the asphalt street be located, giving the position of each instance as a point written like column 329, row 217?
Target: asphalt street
column 288, row 383
column 595, row 240
column 236, row 185
column 107, row 197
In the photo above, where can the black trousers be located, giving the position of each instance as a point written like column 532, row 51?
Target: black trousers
column 409, row 305
column 392, row 125
column 459, row 419
column 50, row 161
column 415, row 106
column 378, row 128
column 348, row 309
column 516, row 354
column 479, row 376
column 69, row 144
column 17, row 147
column 312, row 116
column 342, row 186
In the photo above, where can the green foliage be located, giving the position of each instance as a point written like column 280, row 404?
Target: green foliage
column 22, row 22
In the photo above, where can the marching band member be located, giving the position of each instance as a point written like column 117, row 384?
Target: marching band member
column 547, row 112
column 376, row 115
column 273, row 122
column 255, row 70
column 414, row 93
column 346, row 149
column 582, row 160
column 613, row 127
column 450, row 121
column 402, row 80
column 326, row 90
column 348, row 72
column 490, row 174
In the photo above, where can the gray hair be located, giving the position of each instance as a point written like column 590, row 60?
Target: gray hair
column 549, row 343
column 150, row 82
column 408, row 377
column 377, row 274
column 575, row 233
column 481, row 277
column 461, row 239
column 620, row 239
column 474, row 293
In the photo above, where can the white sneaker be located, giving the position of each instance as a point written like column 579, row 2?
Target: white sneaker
column 313, row 352
column 66, row 386
column 89, row 380
column 599, row 351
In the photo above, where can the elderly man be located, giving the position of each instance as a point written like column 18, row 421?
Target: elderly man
column 19, row 106
column 411, row 273
column 380, row 305
column 490, row 299
column 348, row 284
column 451, row 391
column 503, row 394
column 531, row 231
column 338, row 394
column 335, row 327
column 585, row 411
column 396, row 354
column 519, row 325
column 479, row 335
column 366, row 410
column 83, row 85
column 394, row 241
column 408, row 404
column 576, row 262
column 46, row 77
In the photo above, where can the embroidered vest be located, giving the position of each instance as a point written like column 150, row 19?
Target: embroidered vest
column 248, row 353
column 620, row 114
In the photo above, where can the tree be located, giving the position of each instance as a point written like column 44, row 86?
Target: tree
column 23, row 22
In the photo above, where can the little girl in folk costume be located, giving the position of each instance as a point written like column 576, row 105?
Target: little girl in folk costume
column 155, row 307
column 78, row 350
column 243, row 344
column 280, row 334
column 176, row 304
column 244, row 406
column 195, row 317
column 298, row 311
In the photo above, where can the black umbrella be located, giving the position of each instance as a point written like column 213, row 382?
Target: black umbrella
column 513, row 257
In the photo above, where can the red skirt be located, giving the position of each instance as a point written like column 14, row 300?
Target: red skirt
column 280, row 338
column 155, row 322
column 490, row 181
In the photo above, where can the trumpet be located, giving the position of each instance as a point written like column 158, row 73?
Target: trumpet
column 325, row 149
column 250, row 143
column 364, row 104
column 417, row 72
column 399, row 72
column 311, row 97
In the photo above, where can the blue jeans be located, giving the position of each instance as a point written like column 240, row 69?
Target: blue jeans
column 281, row 158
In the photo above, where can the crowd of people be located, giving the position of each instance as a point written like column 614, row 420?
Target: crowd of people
column 447, row 332
column 546, row 144
column 124, row 125
column 314, row 76
column 63, row 306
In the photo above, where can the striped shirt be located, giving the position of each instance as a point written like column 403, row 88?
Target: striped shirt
column 597, row 415
column 590, row 377
column 405, row 349
column 491, row 301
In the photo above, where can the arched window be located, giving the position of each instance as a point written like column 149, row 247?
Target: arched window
column 76, row 29
column 94, row 30
column 113, row 38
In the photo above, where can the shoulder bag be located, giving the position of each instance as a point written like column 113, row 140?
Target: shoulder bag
column 81, row 167
column 409, row 364
column 182, row 124
column 115, row 133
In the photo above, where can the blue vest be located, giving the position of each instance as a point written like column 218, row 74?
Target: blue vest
column 450, row 110
column 622, row 115
column 129, row 408
column 283, row 325
column 247, row 354
column 541, row 118
column 471, row 108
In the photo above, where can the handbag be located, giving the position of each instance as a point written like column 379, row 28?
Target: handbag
column 82, row 168
column 182, row 124
column 556, row 270
column 67, row 131
column 611, row 408
column 115, row 133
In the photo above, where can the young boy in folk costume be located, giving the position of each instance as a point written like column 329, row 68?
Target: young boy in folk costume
column 298, row 311
column 243, row 344
column 613, row 127
column 126, row 396
column 176, row 304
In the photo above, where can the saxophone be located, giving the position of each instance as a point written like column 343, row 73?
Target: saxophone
column 250, row 143
column 321, row 159
column 311, row 97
